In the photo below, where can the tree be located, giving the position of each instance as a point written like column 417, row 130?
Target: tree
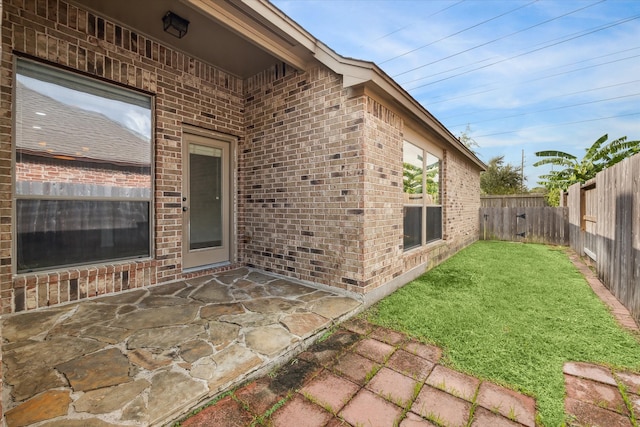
column 467, row 141
column 501, row 179
column 598, row 157
column 412, row 179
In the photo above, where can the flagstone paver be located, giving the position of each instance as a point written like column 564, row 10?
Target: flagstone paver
column 146, row 356
column 304, row 324
column 269, row 340
column 102, row 369
column 48, row 405
column 109, row 399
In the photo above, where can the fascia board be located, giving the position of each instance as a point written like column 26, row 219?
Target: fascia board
column 386, row 85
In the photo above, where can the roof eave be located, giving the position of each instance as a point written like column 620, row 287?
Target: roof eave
column 234, row 13
column 357, row 72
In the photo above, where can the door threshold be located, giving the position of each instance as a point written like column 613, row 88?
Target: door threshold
column 205, row 267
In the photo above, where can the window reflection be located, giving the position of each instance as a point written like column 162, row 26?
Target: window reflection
column 83, row 169
column 421, row 187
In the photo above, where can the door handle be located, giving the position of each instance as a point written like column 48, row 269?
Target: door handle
column 185, row 208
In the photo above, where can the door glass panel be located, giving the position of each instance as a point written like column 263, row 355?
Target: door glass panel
column 205, row 191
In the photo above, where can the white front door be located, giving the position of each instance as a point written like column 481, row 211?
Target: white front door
column 205, row 201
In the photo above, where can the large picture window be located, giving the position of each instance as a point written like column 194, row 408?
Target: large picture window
column 82, row 170
column 422, row 200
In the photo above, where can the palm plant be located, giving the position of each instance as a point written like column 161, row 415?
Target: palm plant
column 598, row 157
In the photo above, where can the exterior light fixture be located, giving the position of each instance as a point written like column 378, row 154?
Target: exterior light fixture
column 175, row 25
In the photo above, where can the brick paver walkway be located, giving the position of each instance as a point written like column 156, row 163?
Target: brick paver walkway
column 365, row 375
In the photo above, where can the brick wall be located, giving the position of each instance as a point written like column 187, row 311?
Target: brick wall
column 301, row 186
column 461, row 199
column 186, row 91
column 45, row 172
column 319, row 192
column 383, row 222
column 385, row 258
column 321, row 195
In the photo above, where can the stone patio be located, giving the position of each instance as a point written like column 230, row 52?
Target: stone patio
column 147, row 356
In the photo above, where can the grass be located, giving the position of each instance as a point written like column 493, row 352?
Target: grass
column 513, row 314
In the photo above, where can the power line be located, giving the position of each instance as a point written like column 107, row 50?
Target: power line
column 466, row 95
column 457, row 32
column 410, row 25
column 496, row 87
column 488, row 59
column 558, row 124
column 548, row 109
column 499, row 38
column 546, row 99
column 623, row 21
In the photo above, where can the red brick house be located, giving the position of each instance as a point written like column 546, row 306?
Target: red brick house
column 132, row 154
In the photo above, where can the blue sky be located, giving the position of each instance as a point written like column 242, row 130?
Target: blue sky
column 522, row 74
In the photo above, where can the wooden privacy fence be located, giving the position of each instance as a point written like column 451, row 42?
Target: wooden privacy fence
column 605, row 226
column 513, row 201
column 525, row 224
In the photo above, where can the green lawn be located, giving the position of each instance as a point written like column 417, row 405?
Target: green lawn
column 513, row 314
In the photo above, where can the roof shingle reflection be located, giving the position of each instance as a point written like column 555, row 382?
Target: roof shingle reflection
column 71, row 132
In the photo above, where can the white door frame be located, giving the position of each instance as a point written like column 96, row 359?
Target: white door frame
column 205, row 258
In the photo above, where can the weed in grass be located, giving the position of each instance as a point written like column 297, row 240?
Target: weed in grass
column 511, row 314
column 512, row 415
column 628, row 403
column 432, row 416
column 495, row 410
column 325, row 336
column 372, row 372
column 201, row 408
column 267, row 414
column 323, row 405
